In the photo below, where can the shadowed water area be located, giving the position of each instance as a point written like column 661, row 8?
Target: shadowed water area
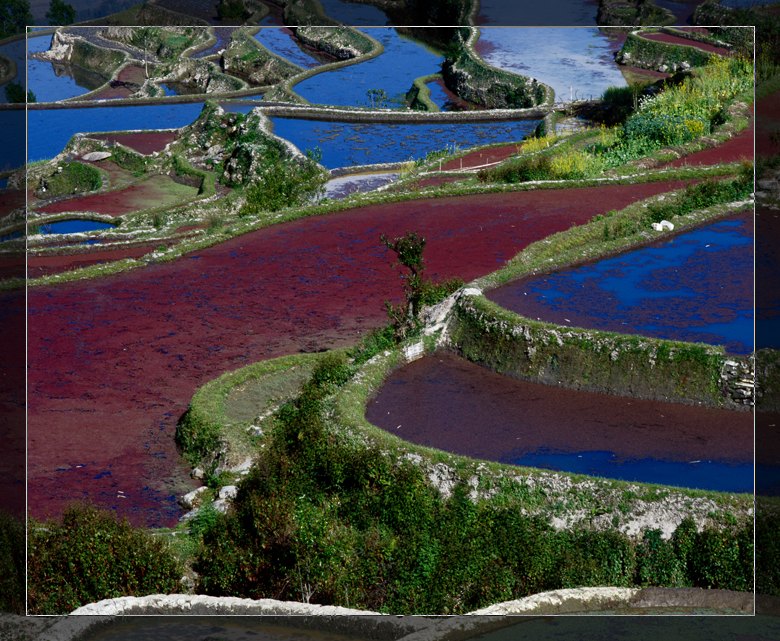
column 353, row 13
column 577, row 63
column 449, row 403
column 13, row 50
column 697, row 287
column 392, row 72
column 280, row 41
column 52, row 81
column 552, row 12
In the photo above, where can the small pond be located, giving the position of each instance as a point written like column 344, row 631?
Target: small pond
column 345, row 144
column 577, row 63
column 697, row 287
column 73, row 226
column 342, row 186
column 11, row 236
column 280, row 40
column 51, row 81
column 391, row 72
column 449, row 403
column 353, row 13
column 50, row 130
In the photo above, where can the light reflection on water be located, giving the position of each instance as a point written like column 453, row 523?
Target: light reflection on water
column 576, row 63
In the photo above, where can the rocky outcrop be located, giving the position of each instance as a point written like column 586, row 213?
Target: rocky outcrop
column 343, row 43
column 256, row 64
column 204, row 75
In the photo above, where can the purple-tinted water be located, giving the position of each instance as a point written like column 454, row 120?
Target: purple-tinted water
column 449, row 403
column 697, row 287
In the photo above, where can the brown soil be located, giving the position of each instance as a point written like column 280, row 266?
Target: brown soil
column 127, row 82
column 149, row 193
column 113, row 362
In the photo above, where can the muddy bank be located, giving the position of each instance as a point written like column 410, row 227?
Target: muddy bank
column 113, row 362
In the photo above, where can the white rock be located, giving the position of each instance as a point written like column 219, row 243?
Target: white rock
column 228, row 492
column 93, row 156
column 191, row 499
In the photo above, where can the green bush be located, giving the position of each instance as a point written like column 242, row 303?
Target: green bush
column 11, row 564
column 767, row 552
column 657, row 563
column 284, row 182
column 590, row 558
column 75, row 177
column 91, row 555
column 720, row 559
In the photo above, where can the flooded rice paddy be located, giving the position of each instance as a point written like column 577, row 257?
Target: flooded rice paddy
column 52, row 81
column 577, row 63
column 73, row 226
column 280, row 41
column 697, row 286
column 391, row 72
column 344, row 144
column 449, row 403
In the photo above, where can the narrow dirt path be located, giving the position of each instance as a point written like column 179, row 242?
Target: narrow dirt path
column 113, row 362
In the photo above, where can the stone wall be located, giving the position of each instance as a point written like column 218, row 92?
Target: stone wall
column 592, row 360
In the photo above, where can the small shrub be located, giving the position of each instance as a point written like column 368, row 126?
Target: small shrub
column 75, row 177
column 657, row 563
column 91, row 555
column 590, row 558
column 534, row 144
column 722, row 560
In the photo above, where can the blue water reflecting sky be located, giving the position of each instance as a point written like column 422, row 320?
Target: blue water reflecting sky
column 695, row 287
column 392, row 71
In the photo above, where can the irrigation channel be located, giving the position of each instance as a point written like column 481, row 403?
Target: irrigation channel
column 114, row 361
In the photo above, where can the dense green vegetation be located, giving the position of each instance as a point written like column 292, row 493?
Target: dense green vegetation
column 70, row 178
column 284, row 182
column 60, row 13
column 14, row 17
column 677, row 115
column 632, row 13
column 12, row 564
column 330, row 521
column 91, row 555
